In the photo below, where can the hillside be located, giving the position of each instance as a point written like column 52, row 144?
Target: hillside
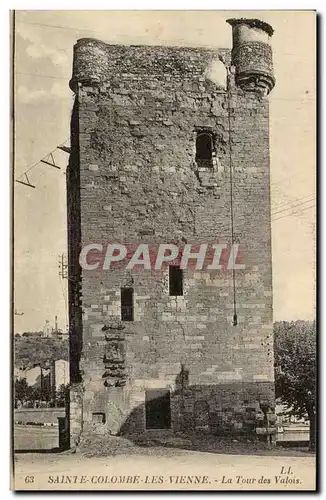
column 30, row 351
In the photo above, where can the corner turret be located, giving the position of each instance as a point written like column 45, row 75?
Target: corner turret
column 252, row 55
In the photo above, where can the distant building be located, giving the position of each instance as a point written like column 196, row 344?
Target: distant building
column 59, row 374
column 33, row 376
column 48, row 380
column 47, row 330
column 36, row 377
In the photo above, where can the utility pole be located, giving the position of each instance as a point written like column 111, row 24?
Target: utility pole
column 63, row 266
column 63, row 274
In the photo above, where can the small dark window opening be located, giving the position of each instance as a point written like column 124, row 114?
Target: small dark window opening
column 175, row 281
column 127, row 306
column 204, row 149
column 98, row 417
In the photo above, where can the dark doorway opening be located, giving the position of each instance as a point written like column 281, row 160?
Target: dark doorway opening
column 158, row 409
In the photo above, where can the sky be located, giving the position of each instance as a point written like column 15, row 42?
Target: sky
column 43, row 102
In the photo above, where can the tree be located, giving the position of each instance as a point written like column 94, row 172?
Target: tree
column 22, row 390
column 295, row 370
column 61, row 395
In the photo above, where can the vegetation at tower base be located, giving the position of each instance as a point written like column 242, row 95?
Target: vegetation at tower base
column 295, row 370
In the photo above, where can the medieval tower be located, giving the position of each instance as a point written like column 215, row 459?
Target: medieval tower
column 165, row 152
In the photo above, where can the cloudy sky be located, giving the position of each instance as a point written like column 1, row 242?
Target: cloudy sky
column 43, row 102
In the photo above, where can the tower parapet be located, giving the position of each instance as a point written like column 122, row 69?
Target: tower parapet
column 252, row 55
column 90, row 63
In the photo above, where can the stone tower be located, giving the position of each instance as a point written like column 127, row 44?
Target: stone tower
column 162, row 151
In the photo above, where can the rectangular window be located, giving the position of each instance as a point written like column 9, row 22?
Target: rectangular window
column 175, row 281
column 127, row 306
column 98, row 417
column 204, row 149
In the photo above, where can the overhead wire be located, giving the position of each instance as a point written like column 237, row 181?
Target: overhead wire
column 39, row 162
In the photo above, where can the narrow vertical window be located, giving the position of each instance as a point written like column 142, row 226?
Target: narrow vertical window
column 175, row 281
column 127, row 305
column 204, row 149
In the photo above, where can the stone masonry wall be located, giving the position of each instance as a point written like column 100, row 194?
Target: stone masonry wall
column 140, row 109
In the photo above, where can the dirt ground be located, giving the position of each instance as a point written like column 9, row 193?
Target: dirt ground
column 110, row 463
column 163, row 468
column 43, row 439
